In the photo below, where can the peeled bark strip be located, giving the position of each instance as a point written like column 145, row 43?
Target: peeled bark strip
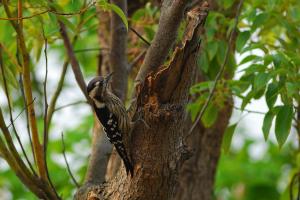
column 158, row 152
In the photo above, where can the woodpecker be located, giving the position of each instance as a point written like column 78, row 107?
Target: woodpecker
column 112, row 114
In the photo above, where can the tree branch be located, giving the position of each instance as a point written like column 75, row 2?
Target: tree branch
column 36, row 185
column 28, row 181
column 140, row 36
column 59, row 87
column 38, row 152
column 46, row 125
column 45, row 142
column 73, row 60
column 172, row 13
column 10, row 111
column 66, row 161
column 70, row 104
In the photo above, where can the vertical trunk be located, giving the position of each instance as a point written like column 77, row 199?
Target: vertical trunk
column 197, row 175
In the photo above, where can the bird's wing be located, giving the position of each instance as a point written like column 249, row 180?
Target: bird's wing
column 117, row 108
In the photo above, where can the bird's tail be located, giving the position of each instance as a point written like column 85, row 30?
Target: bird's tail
column 122, row 152
column 128, row 166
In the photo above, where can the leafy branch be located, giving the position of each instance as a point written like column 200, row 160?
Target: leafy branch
column 220, row 73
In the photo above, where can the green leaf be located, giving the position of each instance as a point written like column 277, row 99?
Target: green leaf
column 283, row 123
column 259, row 20
column 242, row 39
column 261, row 80
column 268, row 60
column 292, row 88
column 200, row 87
column 212, row 48
column 271, row 94
column 109, row 6
column 210, row 115
column 121, row 14
column 138, row 14
column 238, row 86
column 227, row 3
column 228, row 137
column 67, row 22
column 203, row 62
column 10, row 77
column 221, row 52
column 247, row 99
column 149, row 31
column 250, row 58
column 267, row 124
column 254, row 69
column 193, row 109
column 253, row 46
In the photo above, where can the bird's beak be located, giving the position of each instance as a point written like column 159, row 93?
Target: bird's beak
column 108, row 78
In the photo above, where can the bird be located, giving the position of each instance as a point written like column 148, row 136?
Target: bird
column 112, row 114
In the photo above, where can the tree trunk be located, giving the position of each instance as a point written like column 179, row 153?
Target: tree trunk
column 158, row 152
column 197, row 175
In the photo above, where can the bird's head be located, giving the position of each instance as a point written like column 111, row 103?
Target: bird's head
column 98, row 86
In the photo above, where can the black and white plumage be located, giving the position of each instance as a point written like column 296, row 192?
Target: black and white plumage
column 112, row 114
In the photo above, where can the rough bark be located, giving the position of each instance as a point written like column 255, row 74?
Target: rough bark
column 197, row 175
column 171, row 15
column 158, row 152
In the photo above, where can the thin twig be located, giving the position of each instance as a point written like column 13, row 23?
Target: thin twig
column 203, row 109
column 137, row 59
column 45, row 98
column 249, row 111
column 66, row 161
column 45, row 134
column 10, row 111
column 90, row 49
column 21, row 112
column 73, row 60
column 70, row 104
column 50, row 11
column 26, row 109
column 12, row 59
column 293, row 182
column 140, row 36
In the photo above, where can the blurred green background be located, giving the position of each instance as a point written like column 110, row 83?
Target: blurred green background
column 252, row 169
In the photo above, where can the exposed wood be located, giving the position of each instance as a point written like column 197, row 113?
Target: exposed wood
column 172, row 13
